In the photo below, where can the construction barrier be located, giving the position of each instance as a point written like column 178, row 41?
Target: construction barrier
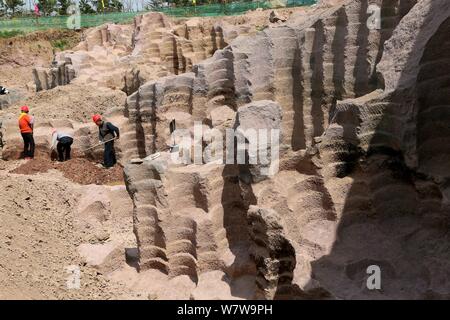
column 233, row 8
column 85, row 21
column 61, row 22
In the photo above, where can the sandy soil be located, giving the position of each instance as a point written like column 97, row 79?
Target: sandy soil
column 40, row 241
column 18, row 55
column 58, row 103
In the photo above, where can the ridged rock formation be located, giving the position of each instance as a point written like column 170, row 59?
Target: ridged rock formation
column 391, row 146
column 189, row 220
column 97, row 54
column 306, row 66
column 273, row 254
column 361, row 178
column 126, row 56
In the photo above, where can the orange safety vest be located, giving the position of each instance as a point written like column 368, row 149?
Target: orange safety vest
column 25, row 122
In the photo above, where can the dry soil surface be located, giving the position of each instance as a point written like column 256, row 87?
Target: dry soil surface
column 18, row 55
column 38, row 240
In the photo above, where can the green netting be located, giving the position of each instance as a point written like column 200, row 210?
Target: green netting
column 234, row 8
column 208, row 10
column 60, row 22
column 211, row 10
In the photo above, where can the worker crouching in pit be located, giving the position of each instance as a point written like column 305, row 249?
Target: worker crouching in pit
column 107, row 134
column 62, row 142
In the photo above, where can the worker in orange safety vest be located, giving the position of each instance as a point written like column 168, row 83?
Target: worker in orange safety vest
column 26, row 130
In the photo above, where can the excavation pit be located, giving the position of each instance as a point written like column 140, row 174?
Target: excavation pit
column 78, row 170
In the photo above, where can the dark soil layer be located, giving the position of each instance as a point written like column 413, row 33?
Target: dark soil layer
column 78, row 170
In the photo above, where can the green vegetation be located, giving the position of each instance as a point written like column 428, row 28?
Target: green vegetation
column 112, row 12
column 214, row 8
column 10, row 34
column 110, row 5
column 85, row 7
column 63, row 5
column 11, row 5
column 46, row 6
column 60, row 44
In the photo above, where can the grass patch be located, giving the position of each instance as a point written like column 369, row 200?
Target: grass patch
column 60, row 44
column 11, row 33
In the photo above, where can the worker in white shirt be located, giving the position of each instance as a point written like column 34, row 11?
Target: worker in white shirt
column 62, row 142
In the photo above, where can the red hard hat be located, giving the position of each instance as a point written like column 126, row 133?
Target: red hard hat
column 24, row 109
column 96, row 118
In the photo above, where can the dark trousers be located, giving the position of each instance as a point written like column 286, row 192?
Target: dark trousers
column 28, row 145
column 64, row 147
column 109, row 156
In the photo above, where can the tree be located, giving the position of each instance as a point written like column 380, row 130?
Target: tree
column 109, row 5
column 63, row 5
column 85, row 7
column 12, row 5
column 46, row 6
column 116, row 5
column 154, row 4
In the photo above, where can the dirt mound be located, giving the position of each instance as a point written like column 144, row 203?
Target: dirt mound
column 24, row 50
column 20, row 54
column 78, row 170
column 75, row 102
column 34, row 166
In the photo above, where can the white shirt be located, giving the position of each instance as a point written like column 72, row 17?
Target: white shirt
column 57, row 136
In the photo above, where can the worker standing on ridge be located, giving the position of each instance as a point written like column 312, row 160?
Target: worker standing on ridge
column 26, row 130
column 107, row 133
column 61, row 142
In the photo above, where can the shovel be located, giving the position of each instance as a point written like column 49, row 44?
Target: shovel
column 97, row 145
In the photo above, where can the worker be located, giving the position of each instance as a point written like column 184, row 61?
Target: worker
column 107, row 133
column 61, row 142
column 3, row 91
column 26, row 123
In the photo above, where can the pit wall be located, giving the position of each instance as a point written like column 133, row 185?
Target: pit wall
column 404, row 117
column 305, row 65
column 126, row 56
column 288, row 222
column 387, row 149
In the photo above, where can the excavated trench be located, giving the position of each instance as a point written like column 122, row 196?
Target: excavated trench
column 78, row 170
column 361, row 179
column 353, row 200
column 83, row 168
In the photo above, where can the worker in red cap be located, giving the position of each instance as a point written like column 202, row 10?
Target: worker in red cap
column 107, row 133
column 26, row 123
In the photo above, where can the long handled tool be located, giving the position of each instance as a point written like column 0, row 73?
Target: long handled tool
column 97, row 145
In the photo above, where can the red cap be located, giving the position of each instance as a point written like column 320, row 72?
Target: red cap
column 24, row 109
column 96, row 118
